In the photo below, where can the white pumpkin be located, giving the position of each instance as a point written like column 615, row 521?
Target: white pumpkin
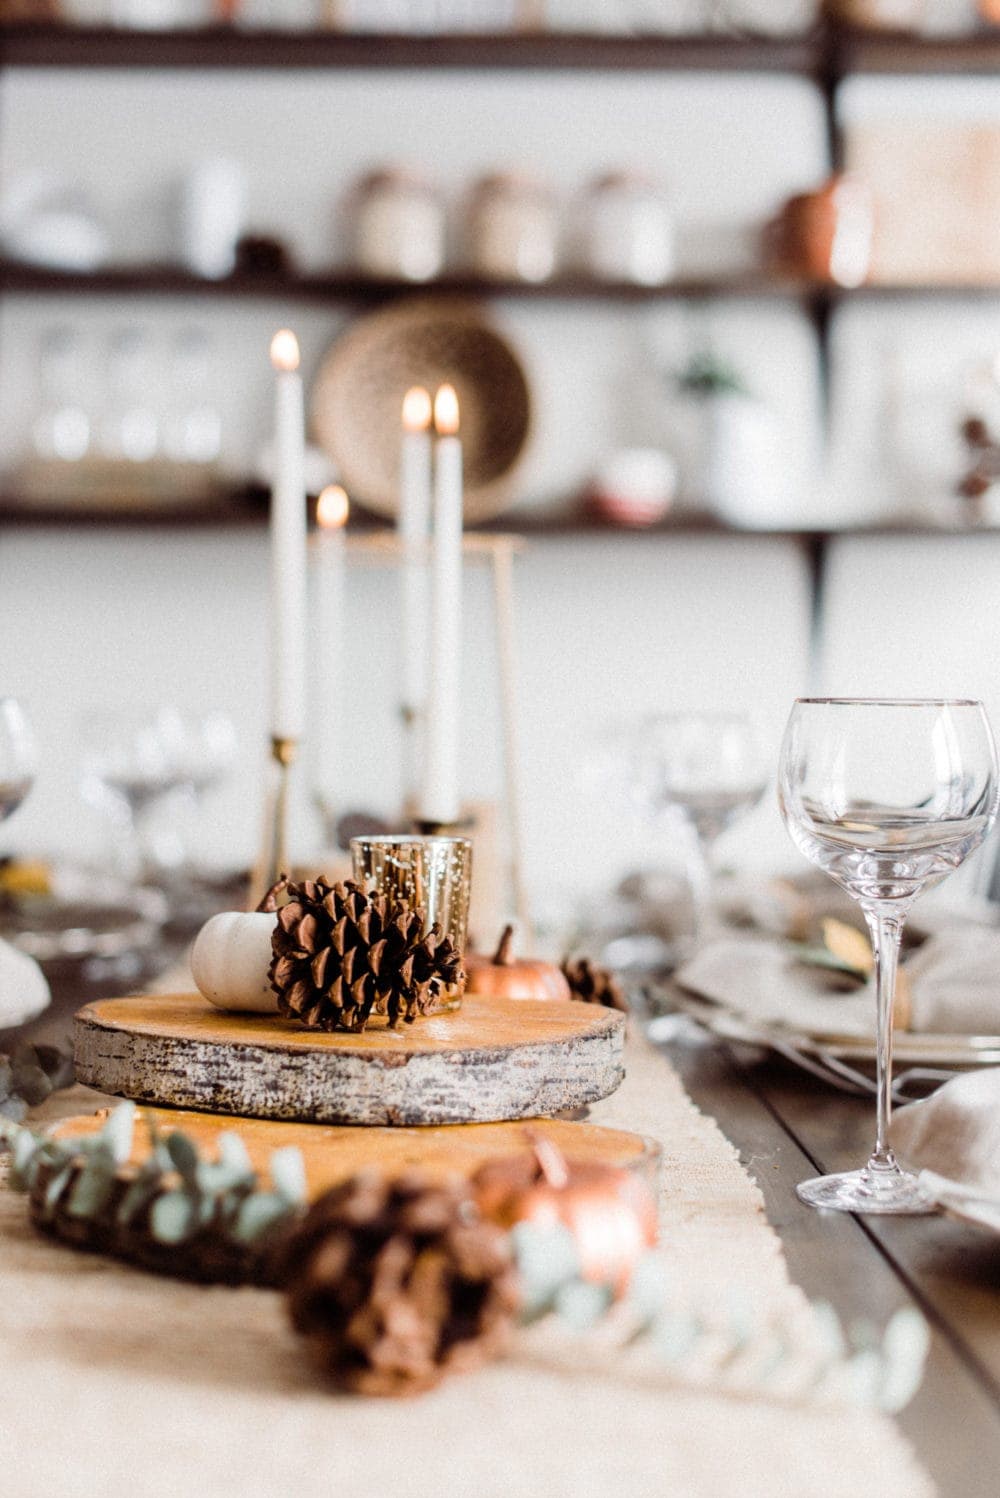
column 230, row 958
column 24, row 991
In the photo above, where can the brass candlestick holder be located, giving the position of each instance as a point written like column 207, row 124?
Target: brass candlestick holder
column 274, row 847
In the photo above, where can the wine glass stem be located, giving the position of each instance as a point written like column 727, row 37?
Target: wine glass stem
column 700, row 873
column 886, row 929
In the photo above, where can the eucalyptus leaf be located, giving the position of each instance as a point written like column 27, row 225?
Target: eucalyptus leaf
column 183, row 1157
column 118, row 1132
column 6, row 1078
column 173, row 1218
column 28, row 1080
column 546, row 1260
column 676, row 1335
column 824, row 958
column 138, row 1196
column 830, row 1330
column 57, row 1065
column 258, row 1214
column 233, row 1153
column 218, row 1177
column 55, row 1188
column 905, row 1347
column 92, row 1188
column 14, row 1108
column 288, row 1174
column 25, row 1145
column 582, row 1304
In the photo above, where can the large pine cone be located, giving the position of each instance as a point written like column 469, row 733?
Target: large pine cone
column 340, row 955
column 594, row 985
column 396, row 1283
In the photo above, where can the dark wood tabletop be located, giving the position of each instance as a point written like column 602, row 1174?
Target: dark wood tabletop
column 788, row 1126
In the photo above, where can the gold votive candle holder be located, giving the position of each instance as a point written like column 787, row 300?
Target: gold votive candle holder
column 433, row 874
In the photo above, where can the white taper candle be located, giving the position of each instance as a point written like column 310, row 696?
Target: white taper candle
column 288, row 543
column 330, row 579
column 413, row 530
column 439, row 800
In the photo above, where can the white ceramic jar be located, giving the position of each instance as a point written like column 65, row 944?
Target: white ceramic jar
column 512, row 228
column 628, row 232
column 399, row 226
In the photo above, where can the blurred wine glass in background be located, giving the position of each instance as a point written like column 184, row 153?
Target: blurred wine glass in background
column 708, row 770
column 126, row 772
column 17, row 756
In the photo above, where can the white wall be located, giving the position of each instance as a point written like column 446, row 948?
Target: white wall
column 606, row 626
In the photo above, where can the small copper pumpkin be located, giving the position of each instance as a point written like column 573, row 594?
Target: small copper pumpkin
column 504, row 977
column 610, row 1212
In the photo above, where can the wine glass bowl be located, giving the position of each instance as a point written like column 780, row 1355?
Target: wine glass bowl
column 709, row 769
column 134, row 760
column 887, row 796
column 17, row 756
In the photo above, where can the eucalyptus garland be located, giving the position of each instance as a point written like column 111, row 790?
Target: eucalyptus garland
column 212, row 1219
column 176, row 1213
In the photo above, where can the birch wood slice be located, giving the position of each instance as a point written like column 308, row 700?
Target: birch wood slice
column 332, row 1153
column 492, row 1060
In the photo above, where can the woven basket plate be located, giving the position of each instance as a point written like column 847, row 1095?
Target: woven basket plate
column 358, row 398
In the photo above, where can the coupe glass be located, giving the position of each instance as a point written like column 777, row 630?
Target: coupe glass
column 887, row 797
column 17, row 756
column 709, row 768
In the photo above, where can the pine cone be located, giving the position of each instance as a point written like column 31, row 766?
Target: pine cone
column 594, row 985
column 340, row 955
column 396, row 1283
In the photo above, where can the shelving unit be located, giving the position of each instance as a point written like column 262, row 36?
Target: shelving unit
column 826, row 55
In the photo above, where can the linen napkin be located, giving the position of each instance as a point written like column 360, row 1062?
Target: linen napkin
column 953, row 1139
column 954, row 985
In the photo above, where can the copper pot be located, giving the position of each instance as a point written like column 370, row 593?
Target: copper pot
column 824, row 235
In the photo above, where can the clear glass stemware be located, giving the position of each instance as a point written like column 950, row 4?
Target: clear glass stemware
column 17, row 756
column 708, row 768
column 888, row 797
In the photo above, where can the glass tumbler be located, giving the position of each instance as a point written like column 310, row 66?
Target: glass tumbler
column 433, row 873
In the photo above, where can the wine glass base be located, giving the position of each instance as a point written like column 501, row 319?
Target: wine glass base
column 867, row 1191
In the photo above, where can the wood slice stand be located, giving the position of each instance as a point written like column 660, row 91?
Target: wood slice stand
column 492, row 1060
column 333, row 1153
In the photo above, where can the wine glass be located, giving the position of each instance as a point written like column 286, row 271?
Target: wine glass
column 888, row 797
column 17, row 756
column 129, row 766
column 708, row 767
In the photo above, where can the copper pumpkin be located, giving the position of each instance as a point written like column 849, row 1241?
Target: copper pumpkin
column 505, row 977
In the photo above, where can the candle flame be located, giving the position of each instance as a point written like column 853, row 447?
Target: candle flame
column 446, row 411
column 332, row 508
column 416, row 409
column 285, row 350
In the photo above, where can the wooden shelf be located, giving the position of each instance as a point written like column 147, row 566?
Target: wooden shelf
column 856, row 51
column 247, row 507
column 827, row 53
column 225, row 47
column 350, row 287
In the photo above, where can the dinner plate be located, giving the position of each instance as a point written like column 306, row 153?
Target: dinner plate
column 910, row 1048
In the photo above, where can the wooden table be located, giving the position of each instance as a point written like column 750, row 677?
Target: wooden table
column 787, row 1126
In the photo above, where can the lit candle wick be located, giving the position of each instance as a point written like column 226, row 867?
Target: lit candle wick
column 285, row 350
column 332, row 508
column 446, row 411
column 416, row 409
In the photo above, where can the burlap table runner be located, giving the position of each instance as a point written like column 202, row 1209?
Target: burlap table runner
column 118, row 1384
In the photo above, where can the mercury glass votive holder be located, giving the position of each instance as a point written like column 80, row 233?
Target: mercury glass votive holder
column 433, row 873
